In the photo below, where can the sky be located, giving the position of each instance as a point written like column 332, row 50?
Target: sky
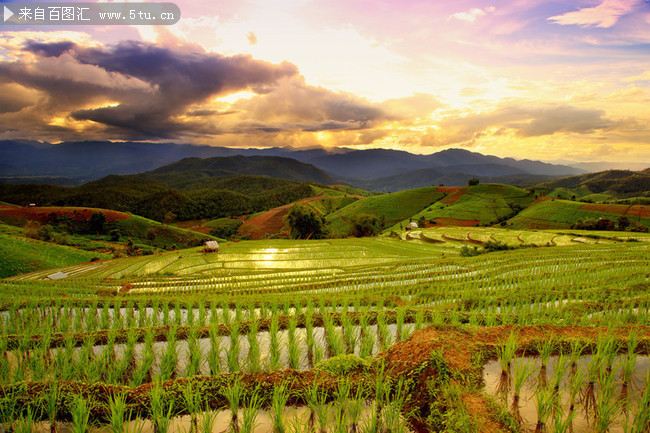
column 537, row 79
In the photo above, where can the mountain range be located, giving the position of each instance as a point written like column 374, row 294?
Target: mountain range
column 75, row 163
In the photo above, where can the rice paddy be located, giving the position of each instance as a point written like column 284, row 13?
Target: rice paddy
column 388, row 334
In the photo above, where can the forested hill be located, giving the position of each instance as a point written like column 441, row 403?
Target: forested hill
column 141, row 195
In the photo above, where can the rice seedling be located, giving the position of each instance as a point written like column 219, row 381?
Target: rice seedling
column 193, row 403
column 169, row 357
column 545, row 349
column 50, row 405
column 161, row 410
column 294, row 350
column 232, row 356
column 522, row 371
column 193, row 355
column 506, row 353
column 641, row 423
column 278, row 404
column 206, row 419
column 80, row 415
column 274, row 343
column 118, row 416
column 318, row 409
column 607, row 405
column 26, row 422
column 250, row 413
column 544, row 406
column 254, row 356
column 234, row 394
column 214, row 354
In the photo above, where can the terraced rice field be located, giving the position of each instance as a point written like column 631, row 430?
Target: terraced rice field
column 385, row 334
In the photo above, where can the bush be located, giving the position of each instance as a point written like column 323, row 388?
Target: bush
column 364, row 225
column 305, row 223
column 343, row 364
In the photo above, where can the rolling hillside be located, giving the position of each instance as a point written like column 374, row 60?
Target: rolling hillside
column 614, row 183
column 393, row 207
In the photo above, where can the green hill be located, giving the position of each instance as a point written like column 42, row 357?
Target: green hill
column 618, row 183
column 556, row 214
column 393, row 207
column 483, row 204
column 20, row 255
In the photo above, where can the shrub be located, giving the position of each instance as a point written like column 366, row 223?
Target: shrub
column 343, row 364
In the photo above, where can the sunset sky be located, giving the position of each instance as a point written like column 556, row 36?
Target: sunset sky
column 538, row 79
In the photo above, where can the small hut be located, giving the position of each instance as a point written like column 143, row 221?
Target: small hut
column 412, row 225
column 211, row 247
column 56, row 276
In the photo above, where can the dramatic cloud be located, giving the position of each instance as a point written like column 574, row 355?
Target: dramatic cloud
column 522, row 121
column 318, row 108
column 147, row 86
column 605, row 14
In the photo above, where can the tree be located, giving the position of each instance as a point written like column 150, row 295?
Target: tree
column 304, row 223
column 623, row 222
column 422, row 222
column 364, row 225
column 170, row 217
column 96, row 223
column 473, row 181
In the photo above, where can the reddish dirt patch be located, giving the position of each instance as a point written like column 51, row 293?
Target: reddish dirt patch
column 44, row 214
column 474, row 241
column 442, row 222
column 618, row 209
column 639, row 210
column 270, row 222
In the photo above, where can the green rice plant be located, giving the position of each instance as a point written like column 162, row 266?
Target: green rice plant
column 254, row 356
column 562, row 424
column 234, row 394
column 232, row 356
column 544, row 406
column 354, row 406
column 348, row 333
column 214, row 355
column 80, row 415
column 161, row 410
column 384, row 334
column 506, row 354
column 142, row 373
column 50, row 405
column 165, row 313
column 299, row 424
column 311, row 342
column 118, row 416
column 178, row 318
column 26, row 422
column 294, row 350
column 213, row 312
column 561, row 367
column 522, row 371
column 419, row 319
column 194, row 355
column 202, row 310
column 250, row 412
column 193, row 402
column 206, row 419
column 607, row 405
column 170, row 357
column 400, row 316
column 274, row 343
column 574, row 388
column 545, row 349
column 641, row 423
column 135, row 426
column 628, row 367
column 278, row 404
column 9, row 410
column 319, row 410
column 335, row 345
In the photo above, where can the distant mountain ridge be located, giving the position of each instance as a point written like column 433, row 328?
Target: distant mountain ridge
column 84, row 161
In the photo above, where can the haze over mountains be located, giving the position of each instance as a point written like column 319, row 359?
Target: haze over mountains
column 378, row 169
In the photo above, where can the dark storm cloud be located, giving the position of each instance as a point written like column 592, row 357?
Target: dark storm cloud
column 54, row 49
column 180, row 78
column 148, row 86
